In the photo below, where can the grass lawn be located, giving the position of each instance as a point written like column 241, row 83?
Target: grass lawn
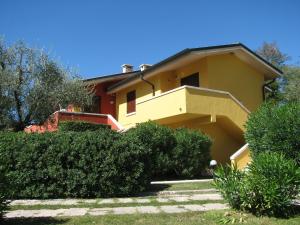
column 207, row 218
column 181, row 186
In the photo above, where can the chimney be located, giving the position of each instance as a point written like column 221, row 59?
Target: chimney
column 144, row 66
column 126, row 68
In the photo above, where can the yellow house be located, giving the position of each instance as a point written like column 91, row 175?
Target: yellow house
column 210, row 89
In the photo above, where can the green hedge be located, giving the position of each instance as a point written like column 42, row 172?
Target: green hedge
column 175, row 153
column 192, row 153
column 99, row 163
column 3, row 193
column 80, row 126
column 159, row 141
column 275, row 128
column 73, row 164
column 268, row 187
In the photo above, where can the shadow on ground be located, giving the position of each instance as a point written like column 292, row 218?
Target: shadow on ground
column 33, row 221
column 158, row 187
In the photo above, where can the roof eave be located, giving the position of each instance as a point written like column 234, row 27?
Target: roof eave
column 127, row 82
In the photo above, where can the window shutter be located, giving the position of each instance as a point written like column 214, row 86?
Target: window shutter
column 131, row 102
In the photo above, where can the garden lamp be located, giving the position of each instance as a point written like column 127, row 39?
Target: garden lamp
column 213, row 164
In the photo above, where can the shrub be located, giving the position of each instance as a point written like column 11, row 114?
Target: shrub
column 191, row 154
column 271, row 185
column 3, row 194
column 276, row 129
column 80, row 126
column 229, row 181
column 159, row 141
column 73, row 164
column 268, row 187
column 180, row 152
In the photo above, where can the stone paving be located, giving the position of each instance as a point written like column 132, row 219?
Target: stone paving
column 180, row 197
column 166, row 198
column 71, row 212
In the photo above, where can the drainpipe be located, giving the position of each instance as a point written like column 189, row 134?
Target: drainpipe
column 148, row 82
column 263, row 88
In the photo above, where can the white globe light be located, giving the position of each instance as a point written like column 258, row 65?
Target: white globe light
column 213, row 163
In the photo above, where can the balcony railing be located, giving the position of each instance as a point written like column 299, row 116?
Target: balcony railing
column 188, row 102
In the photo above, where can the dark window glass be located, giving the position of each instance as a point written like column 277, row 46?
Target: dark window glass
column 131, row 102
column 96, row 105
column 192, row 80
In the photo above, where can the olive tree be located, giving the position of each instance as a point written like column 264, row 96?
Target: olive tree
column 33, row 85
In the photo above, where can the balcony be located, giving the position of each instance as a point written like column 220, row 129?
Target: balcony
column 186, row 102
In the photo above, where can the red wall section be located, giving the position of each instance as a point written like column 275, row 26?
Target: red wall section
column 99, row 119
column 108, row 102
column 52, row 123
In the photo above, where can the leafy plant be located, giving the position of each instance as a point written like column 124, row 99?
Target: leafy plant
column 268, row 187
column 228, row 179
column 271, row 184
column 275, row 128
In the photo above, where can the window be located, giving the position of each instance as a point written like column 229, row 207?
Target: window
column 96, row 105
column 130, row 102
column 191, row 80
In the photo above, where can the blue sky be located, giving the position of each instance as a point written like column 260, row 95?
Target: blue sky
column 96, row 37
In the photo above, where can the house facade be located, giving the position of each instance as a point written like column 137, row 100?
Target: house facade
column 211, row 89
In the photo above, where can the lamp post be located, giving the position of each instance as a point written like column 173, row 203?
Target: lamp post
column 213, row 164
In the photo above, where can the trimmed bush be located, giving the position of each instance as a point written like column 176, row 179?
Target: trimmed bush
column 3, row 194
column 80, row 126
column 174, row 153
column 268, row 187
column 73, row 164
column 229, row 181
column 275, row 128
column 191, row 154
column 271, row 184
column 100, row 163
column 159, row 141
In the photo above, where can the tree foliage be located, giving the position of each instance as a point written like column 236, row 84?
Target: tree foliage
column 285, row 88
column 32, row 86
column 275, row 128
column 271, row 53
column 291, row 89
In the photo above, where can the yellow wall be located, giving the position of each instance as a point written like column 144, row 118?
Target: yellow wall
column 143, row 92
column 222, row 72
column 228, row 73
column 171, row 79
column 224, row 145
column 216, row 104
column 242, row 160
